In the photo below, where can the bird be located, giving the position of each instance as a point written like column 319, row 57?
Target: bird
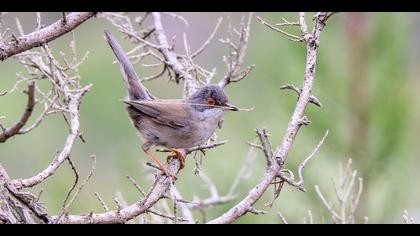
column 171, row 123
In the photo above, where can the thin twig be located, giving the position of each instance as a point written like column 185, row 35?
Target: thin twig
column 38, row 21
column 245, row 172
column 289, row 36
column 101, row 201
column 198, row 148
column 283, row 220
column 237, row 54
column 136, row 185
column 76, row 181
column 283, row 149
column 312, row 98
column 303, row 164
column 207, row 42
column 76, row 194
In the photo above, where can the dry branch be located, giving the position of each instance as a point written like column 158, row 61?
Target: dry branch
column 283, row 149
column 160, row 185
column 179, row 65
column 67, row 92
column 409, row 220
column 235, row 58
column 16, row 128
column 44, row 35
column 46, row 65
column 347, row 194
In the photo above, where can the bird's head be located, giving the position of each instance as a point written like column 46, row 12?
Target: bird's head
column 210, row 97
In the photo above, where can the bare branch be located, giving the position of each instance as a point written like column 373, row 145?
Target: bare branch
column 310, row 217
column 283, row 149
column 256, row 211
column 237, row 55
column 70, row 87
column 283, row 220
column 289, row 36
column 136, row 185
column 201, row 49
column 76, row 194
column 44, row 35
column 10, row 132
column 178, row 17
column 408, row 220
column 173, row 218
column 67, row 93
column 245, row 172
column 160, row 185
column 303, row 164
column 345, row 212
column 101, row 201
column 303, row 26
column 266, row 145
column 38, row 21
column 312, row 98
column 46, row 112
column 185, row 209
column 190, row 83
column 201, row 148
column 20, row 29
column 287, row 23
column 65, row 153
column 76, row 181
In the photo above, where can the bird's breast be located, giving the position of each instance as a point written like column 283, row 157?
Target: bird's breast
column 206, row 123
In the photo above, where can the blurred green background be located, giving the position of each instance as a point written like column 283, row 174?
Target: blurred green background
column 366, row 78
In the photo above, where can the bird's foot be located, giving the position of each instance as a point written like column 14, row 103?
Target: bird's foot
column 177, row 154
column 161, row 167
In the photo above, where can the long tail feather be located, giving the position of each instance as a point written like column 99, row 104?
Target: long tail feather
column 136, row 91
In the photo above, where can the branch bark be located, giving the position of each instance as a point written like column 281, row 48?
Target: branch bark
column 162, row 183
column 44, row 35
column 124, row 213
column 15, row 129
column 18, row 207
column 73, row 107
column 190, row 83
column 311, row 41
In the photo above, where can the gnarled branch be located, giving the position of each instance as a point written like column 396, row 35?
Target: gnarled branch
column 44, row 35
column 15, row 129
column 293, row 127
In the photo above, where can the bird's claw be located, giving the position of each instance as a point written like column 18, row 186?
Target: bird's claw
column 179, row 155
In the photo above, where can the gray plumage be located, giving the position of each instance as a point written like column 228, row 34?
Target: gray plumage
column 172, row 123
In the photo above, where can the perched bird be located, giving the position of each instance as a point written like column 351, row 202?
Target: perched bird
column 171, row 123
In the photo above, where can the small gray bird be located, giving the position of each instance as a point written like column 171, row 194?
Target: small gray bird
column 171, row 123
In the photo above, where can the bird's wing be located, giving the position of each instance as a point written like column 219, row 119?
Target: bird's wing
column 169, row 112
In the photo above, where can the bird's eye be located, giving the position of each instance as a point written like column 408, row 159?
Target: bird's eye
column 211, row 101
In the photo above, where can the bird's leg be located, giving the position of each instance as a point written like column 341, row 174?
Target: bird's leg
column 162, row 168
column 177, row 154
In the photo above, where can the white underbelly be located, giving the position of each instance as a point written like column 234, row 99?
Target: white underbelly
column 207, row 126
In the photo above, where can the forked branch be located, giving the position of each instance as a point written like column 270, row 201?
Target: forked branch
column 283, row 149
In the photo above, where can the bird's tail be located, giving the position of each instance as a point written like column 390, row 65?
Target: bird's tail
column 136, row 91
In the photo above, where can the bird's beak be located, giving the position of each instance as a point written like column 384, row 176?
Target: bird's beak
column 231, row 107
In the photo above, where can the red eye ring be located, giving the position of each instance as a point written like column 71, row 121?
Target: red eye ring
column 211, row 101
